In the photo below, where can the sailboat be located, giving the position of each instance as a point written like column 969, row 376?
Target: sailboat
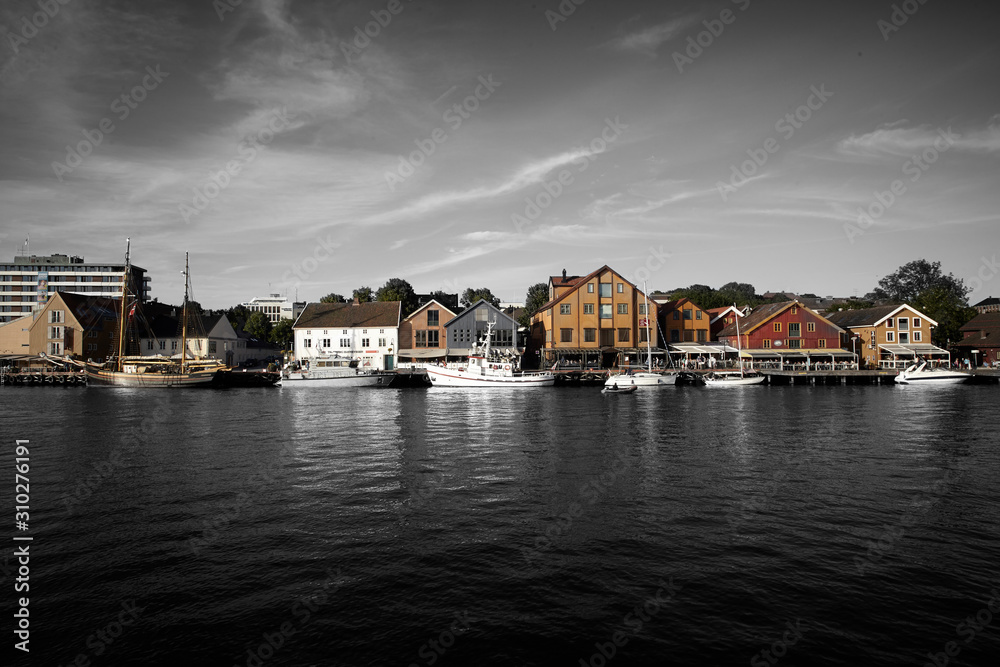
column 730, row 379
column 646, row 378
column 149, row 371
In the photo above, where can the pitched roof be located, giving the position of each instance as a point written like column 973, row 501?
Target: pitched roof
column 476, row 305
column 869, row 317
column 581, row 281
column 762, row 314
column 989, row 301
column 982, row 321
column 989, row 323
column 432, row 302
column 567, row 281
column 347, row 315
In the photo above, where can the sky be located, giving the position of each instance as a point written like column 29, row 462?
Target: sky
column 307, row 147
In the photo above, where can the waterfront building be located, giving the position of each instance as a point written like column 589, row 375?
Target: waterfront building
column 980, row 342
column 720, row 318
column 276, row 307
column 84, row 327
column 786, row 333
column 469, row 327
column 597, row 320
column 683, row 321
column 888, row 336
column 365, row 331
column 422, row 335
column 208, row 337
column 988, row 305
column 27, row 283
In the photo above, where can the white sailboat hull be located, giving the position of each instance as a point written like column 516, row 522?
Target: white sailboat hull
column 307, row 380
column 735, row 381
column 642, row 379
column 453, row 377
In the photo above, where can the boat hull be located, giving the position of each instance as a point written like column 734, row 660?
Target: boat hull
column 929, row 379
column 642, row 380
column 450, row 377
column 164, row 380
column 734, row 382
column 300, row 380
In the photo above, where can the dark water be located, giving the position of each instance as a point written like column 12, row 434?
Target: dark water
column 380, row 527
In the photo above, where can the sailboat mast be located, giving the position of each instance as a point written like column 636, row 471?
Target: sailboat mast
column 739, row 340
column 184, row 315
column 649, row 350
column 121, row 321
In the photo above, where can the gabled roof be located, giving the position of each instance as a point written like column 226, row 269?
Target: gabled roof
column 982, row 321
column 430, row 303
column 989, row 301
column 567, row 281
column 373, row 315
column 718, row 313
column 989, row 323
column 89, row 310
column 676, row 304
column 579, row 282
column 765, row 313
column 476, row 305
column 871, row 317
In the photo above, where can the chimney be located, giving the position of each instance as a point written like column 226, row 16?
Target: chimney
column 564, row 274
column 357, row 302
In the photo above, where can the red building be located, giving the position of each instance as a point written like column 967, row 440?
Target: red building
column 786, row 332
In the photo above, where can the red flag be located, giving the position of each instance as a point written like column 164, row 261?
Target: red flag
column 131, row 312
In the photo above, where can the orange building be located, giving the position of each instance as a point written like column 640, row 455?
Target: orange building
column 888, row 336
column 422, row 335
column 683, row 321
column 597, row 320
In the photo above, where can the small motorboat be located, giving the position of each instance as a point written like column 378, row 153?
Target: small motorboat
column 923, row 374
column 615, row 389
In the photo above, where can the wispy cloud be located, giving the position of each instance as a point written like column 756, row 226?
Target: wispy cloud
column 899, row 140
column 649, row 40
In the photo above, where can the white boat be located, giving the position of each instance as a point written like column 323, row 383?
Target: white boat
column 923, row 375
column 646, row 378
column 483, row 371
column 631, row 389
column 732, row 378
column 332, row 371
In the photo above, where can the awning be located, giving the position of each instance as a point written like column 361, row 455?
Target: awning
column 687, row 348
column 923, row 349
column 430, row 353
column 796, row 354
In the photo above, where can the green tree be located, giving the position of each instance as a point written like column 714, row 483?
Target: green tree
column 363, row 294
column 944, row 307
column 537, row 296
column 909, row 281
column 740, row 293
column 471, row 296
column 282, row 334
column 258, row 326
column 238, row 316
column 334, row 298
column 851, row 304
column 397, row 289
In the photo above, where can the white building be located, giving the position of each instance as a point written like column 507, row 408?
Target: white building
column 27, row 283
column 365, row 331
column 276, row 307
column 218, row 340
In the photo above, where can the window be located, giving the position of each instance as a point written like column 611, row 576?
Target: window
column 821, row 342
column 623, row 334
column 677, row 314
column 425, row 338
column 702, row 336
column 605, row 290
column 916, row 323
column 173, row 345
column 482, row 313
column 697, row 315
column 548, row 336
column 777, row 327
column 903, row 324
column 794, row 329
column 163, row 345
column 565, row 335
column 811, row 327
column 623, row 309
column 344, row 332
column 795, row 310
column 889, row 323
column 588, row 309
column 890, row 337
column 917, row 337
column 688, row 336
column 55, row 316
column 590, row 288
column 345, row 342
column 606, row 311
column 55, row 332
column 564, row 309
column 904, row 338
column 675, row 336
column 767, row 343
column 211, row 346
column 307, row 342
column 643, row 335
column 794, row 344
column 149, row 344
column 687, row 313
column 381, row 341
column 433, row 318
column 365, row 342
column 590, row 335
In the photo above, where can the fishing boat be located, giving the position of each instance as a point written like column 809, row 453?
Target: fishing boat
column 631, row 389
column 332, row 371
column 486, row 369
column 149, row 371
column 646, row 378
column 923, row 374
column 732, row 378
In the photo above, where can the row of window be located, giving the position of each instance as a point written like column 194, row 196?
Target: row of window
column 902, row 323
column 675, row 335
column 794, row 344
column 687, row 314
column 606, row 309
column 345, row 343
column 326, row 331
column 590, row 335
column 795, row 328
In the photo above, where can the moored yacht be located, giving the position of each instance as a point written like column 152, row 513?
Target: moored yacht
column 923, row 374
